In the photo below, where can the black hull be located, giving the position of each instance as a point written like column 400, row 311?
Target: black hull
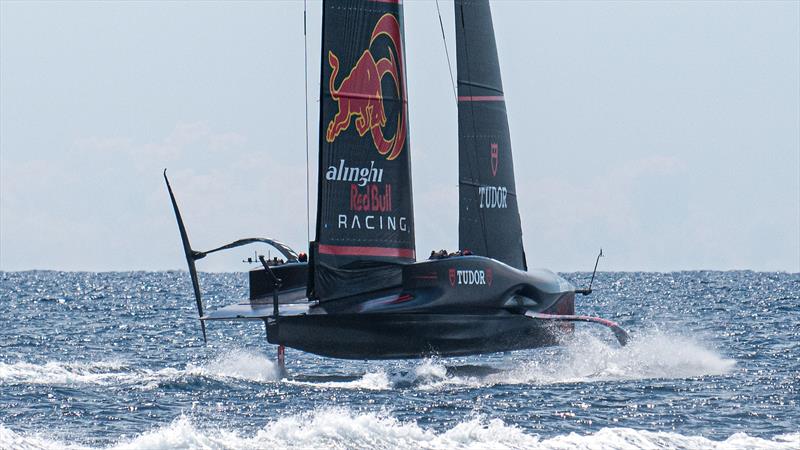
column 453, row 306
column 401, row 336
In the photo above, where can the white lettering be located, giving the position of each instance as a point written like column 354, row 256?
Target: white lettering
column 360, row 175
column 352, row 173
column 372, row 222
column 471, row 277
column 493, row 196
column 341, row 169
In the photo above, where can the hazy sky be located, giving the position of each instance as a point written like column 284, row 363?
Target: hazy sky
column 667, row 133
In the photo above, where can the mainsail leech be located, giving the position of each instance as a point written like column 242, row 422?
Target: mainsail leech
column 489, row 222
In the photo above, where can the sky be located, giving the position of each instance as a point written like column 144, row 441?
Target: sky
column 666, row 133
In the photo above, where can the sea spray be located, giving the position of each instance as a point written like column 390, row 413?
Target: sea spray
column 239, row 364
column 587, row 358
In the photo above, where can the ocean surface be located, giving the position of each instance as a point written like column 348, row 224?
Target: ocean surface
column 116, row 360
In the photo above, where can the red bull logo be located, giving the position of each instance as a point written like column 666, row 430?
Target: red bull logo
column 360, row 94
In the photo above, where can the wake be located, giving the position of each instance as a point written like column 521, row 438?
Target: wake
column 339, row 428
column 230, row 366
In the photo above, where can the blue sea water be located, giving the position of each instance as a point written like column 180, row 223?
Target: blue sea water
column 99, row 360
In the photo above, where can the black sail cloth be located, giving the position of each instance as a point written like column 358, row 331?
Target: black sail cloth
column 489, row 222
column 365, row 218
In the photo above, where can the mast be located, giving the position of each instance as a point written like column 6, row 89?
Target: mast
column 489, row 222
column 365, row 217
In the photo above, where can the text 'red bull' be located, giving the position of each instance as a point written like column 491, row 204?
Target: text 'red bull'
column 371, row 198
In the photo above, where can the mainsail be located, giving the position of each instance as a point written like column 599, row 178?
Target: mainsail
column 489, row 223
column 365, row 217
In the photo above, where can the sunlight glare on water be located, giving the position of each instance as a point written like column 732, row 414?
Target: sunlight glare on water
column 116, row 360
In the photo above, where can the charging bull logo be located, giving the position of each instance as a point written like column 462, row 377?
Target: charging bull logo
column 493, row 152
column 360, row 94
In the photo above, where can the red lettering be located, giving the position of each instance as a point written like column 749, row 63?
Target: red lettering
column 371, row 198
column 354, row 198
column 376, row 198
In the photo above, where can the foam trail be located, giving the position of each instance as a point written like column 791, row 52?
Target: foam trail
column 232, row 365
column 61, row 373
column 373, row 381
column 341, row 428
column 428, row 370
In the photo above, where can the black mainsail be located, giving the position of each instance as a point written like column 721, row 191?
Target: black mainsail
column 365, row 217
column 489, row 222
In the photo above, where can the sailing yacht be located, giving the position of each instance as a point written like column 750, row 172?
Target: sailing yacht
column 364, row 293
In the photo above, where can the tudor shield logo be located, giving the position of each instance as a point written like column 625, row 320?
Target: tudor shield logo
column 452, row 273
column 360, row 94
column 493, row 151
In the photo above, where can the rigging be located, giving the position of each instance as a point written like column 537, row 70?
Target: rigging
column 446, row 52
column 305, row 91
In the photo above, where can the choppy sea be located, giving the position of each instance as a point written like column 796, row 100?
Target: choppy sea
column 116, row 360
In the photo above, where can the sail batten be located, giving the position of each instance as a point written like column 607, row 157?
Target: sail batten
column 481, row 98
column 365, row 220
column 489, row 222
